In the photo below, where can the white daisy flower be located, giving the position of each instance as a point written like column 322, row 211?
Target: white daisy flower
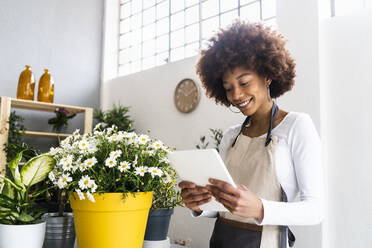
column 165, row 160
column 98, row 126
column 83, row 166
column 90, row 197
column 98, row 133
column 80, row 194
column 124, row 166
column 157, row 145
column 77, row 132
column 75, row 145
column 63, row 180
column 143, row 139
column 51, row 176
column 113, row 138
column 110, row 162
column 167, row 179
column 140, row 171
column 67, row 166
column 66, row 160
column 115, row 154
column 93, row 186
column 84, row 182
column 155, row 172
column 135, row 160
column 54, row 151
column 90, row 162
column 83, row 145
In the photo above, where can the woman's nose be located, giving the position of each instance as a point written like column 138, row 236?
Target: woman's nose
column 237, row 94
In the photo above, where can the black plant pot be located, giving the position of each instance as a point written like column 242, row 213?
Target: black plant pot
column 158, row 224
column 60, row 231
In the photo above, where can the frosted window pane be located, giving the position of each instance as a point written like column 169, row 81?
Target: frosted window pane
column 135, row 37
column 147, row 3
column 343, row 7
column 135, row 53
column 177, row 20
column 268, row 8
column 209, row 8
column 149, row 32
column 192, row 49
column 177, row 38
column 125, row 25
column 149, row 16
column 209, row 27
column 136, row 21
column 162, row 58
column 125, row 10
column 124, row 56
column 228, row 18
column 162, row 10
column 192, row 33
column 192, row 15
column 242, row 2
column 136, row 6
column 124, row 69
column 228, row 5
column 125, row 40
column 162, row 26
column 148, row 63
column 135, row 66
column 177, row 54
column 191, row 2
column 271, row 23
column 162, row 43
column 251, row 12
column 148, row 48
column 177, row 5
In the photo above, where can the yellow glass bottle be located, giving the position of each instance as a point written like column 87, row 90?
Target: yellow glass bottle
column 46, row 88
column 26, row 85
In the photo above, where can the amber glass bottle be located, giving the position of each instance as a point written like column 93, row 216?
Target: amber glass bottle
column 26, row 85
column 46, row 88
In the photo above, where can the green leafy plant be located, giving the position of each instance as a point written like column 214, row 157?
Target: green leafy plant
column 17, row 199
column 117, row 116
column 109, row 160
column 61, row 119
column 216, row 135
column 168, row 195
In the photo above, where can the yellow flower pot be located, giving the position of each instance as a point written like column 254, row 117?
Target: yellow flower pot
column 111, row 221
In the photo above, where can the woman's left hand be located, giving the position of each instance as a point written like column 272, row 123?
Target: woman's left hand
column 239, row 201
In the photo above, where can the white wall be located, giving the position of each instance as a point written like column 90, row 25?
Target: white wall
column 63, row 36
column 150, row 93
column 346, row 65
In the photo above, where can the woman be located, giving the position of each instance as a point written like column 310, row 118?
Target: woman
column 273, row 157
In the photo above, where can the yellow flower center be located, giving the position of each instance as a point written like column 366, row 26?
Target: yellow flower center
column 155, row 171
column 90, row 162
column 83, row 144
column 64, row 180
column 67, row 165
column 86, row 182
column 111, row 162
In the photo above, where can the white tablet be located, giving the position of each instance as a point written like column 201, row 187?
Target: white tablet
column 198, row 166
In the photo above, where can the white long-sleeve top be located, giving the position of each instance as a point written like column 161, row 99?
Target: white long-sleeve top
column 299, row 170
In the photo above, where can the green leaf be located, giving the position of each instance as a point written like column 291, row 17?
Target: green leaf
column 11, row 183
column 13, row 166
column 6, row 202
column 37, row 169
column 8, row 190
column 25, row 217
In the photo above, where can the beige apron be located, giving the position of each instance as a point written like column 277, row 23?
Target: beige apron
column 251, row 162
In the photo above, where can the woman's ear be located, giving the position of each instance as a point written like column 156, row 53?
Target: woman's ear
column 267, row 82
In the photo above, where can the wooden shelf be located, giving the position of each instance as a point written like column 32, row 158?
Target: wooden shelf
column 46, row 134
column 43, row 106
column 6, row 103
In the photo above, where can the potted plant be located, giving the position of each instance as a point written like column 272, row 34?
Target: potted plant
column 165, row 199
column 60, row 122
column 217, row 135
column 117, row 116
column 19, row 215
column 111, row 176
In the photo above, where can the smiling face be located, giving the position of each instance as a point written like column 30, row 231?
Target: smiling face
column 246, row 90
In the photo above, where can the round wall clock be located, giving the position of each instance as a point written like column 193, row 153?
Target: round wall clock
column 186, row 95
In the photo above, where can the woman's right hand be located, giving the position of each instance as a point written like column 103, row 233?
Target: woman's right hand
column 193, row 196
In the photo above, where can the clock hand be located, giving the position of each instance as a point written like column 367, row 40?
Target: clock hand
column 189, row 92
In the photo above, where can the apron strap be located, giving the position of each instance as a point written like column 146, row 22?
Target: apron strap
column 274, row 113
column 284, row 230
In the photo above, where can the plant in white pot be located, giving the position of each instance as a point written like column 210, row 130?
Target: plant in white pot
column 111, row 176
column 165, row 199
column 19, row 215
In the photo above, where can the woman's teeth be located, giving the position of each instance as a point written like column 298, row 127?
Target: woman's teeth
column 245, row 103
